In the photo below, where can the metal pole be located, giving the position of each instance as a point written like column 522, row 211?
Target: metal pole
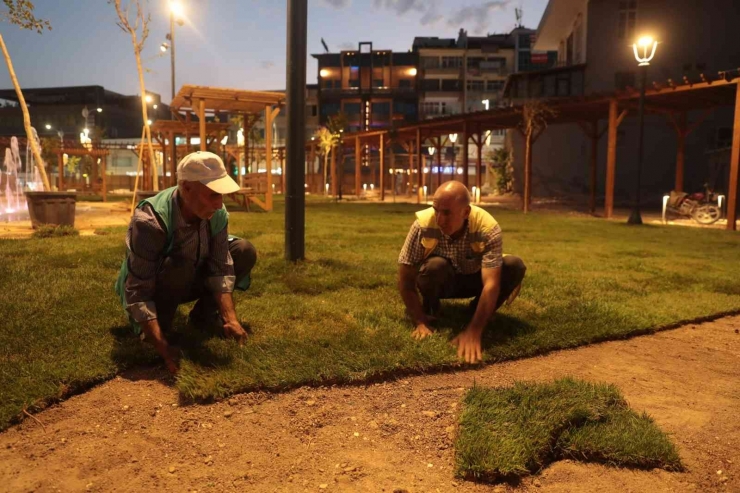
column 295, row 198
column 172, row 50
column 635, row 217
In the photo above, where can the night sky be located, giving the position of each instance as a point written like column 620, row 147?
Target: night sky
column 231, row 43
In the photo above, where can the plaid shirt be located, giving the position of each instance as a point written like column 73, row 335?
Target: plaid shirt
column 459, row 252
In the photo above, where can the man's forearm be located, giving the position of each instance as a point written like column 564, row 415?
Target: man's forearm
column 153, row 334
column 226, row 308
column 413, row 305
column 486, row 307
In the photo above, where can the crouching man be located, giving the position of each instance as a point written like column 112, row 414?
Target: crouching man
column 454, row 250
column 179, row 250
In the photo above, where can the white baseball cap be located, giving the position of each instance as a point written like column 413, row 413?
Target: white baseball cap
column 207, row 168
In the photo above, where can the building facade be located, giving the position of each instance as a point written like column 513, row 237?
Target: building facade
column 371, row 88
column 62, row 109
column 593, row 39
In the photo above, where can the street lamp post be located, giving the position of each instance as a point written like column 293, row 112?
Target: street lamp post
column 176, row 13
column 644, row 51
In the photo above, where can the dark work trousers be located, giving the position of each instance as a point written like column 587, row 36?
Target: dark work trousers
column 438, row 280
column 180, row 282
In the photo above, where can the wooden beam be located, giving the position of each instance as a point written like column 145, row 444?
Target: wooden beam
column 61, row 170
column 358, row 170
column 202, row 122
column 419, row 169
column 594, row 164
column 734, row 165
column 611, row 159
column 381, row 150
column 621, row 117
column 268, row 155
column 479, row 161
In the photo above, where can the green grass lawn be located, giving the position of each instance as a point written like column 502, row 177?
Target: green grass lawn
column 337, row 316
column 512, row 432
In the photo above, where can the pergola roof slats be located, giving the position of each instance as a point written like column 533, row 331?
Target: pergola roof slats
column 221, row 99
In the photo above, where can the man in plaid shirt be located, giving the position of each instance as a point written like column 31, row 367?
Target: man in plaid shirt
column 454, row 250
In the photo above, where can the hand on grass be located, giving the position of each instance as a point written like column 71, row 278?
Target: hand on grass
column 421, row 332
column 468, row 345
column 172, row 359
column 234, row 330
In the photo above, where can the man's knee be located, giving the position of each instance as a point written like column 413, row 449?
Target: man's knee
column 515, row 267
column 433, row 273
column 244, row 256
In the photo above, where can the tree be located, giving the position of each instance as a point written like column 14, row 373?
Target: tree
column 139, row 32
column 535, row 114
column 501, row 168
column 20, row 13
column 325, row 141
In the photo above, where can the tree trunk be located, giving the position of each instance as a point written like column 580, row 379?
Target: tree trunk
column 153, row 167
column 527, row 170
column 26, row 117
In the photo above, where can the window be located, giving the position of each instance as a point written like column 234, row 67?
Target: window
column 354, row 83
column 382, row 108
column 476, row 85
column 627, row 19
column 378, row 83
column 406, row 109
column 474, row 62
column 352, row 108
column 724, row 138
column 313, row 109
column 404, row 83
column 495, row 85
column 450, row 85
column 430, row 84
column 451, row 61
column 525, row 40
column 430, row 62
column 330, row 109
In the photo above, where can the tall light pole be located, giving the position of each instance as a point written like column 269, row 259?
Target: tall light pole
column 176, row 13
column 644, row 51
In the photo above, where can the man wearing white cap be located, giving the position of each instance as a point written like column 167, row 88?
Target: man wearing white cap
column 179, row 250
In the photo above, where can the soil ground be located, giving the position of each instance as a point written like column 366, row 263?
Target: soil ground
column 133, row 434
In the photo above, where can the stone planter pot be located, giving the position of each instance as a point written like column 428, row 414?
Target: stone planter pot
column 56, row 208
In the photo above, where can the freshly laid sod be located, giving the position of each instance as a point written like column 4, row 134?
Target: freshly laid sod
column 511, row 432
column 337, row 316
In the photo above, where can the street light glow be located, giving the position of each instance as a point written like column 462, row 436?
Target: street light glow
column 164, row 47
column 177, row 9
column 48, row 126
column 413, row 71
column 148, row 98
column 148, row 122
column 453, row 138
column 647, row 45
column 323, row 72
column 431, row 151
column 100, row 110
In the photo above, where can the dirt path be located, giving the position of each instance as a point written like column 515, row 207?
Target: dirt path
column 130, row 434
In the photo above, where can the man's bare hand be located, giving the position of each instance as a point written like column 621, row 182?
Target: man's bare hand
column 234, row 330
column 421, row 332
column 172, row 360
column 468, row 345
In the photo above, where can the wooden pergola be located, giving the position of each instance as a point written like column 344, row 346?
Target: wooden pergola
column 203, row 99
column 168, row 130
column 669, row 99
column 94, row 153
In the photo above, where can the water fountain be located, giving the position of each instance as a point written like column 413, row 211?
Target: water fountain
column 13, row 205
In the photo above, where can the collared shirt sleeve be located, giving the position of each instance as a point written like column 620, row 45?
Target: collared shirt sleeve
column 146, row 240
column 220, row 278
column 493, row 253
column 412, row 252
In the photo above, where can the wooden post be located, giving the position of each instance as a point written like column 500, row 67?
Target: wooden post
column 439, row 162
column 358, row 171
column 611, row 160
column 202, row 123
column 381, row 167
column 412, row 153
column 188, row 119
column 61, row 170
column 419, row 168
column 268, row 155
column 104, row 190
column 465, row 137
column 734, row 164
column 528, row 141
column 680, row 151
column 479, row 162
